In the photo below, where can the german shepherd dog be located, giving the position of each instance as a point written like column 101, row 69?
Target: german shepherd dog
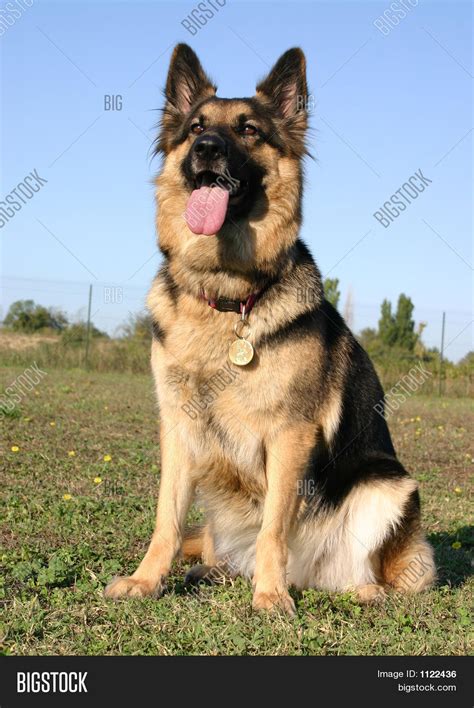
column 269, row 406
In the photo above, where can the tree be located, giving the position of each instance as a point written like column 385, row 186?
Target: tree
column 405, row 335
column 331, row 291
column 368, row 337
column 468, row 360
column 387, row 324
column 27, row 316
column 420, row 349
column 399, row 329
column 349, row 309
column 138, row 326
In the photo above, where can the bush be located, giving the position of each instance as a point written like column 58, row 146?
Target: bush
column 77, row 333
column 26, row 316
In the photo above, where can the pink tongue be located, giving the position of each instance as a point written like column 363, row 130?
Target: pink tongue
column 206, row 210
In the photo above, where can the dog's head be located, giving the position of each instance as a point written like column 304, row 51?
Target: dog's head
column 232, row 167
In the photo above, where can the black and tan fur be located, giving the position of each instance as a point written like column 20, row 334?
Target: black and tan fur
column 300, row 416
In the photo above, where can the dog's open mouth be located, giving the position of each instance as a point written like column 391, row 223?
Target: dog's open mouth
column 235, row 187
column 208, row 204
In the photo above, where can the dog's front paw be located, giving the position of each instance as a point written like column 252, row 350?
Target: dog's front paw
column 274, row 600
column 131, row 587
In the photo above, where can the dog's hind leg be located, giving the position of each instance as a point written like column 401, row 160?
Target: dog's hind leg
column 212, row 570
column 192, row 547
column 379, row 543
column 198, row 544
column 371, row 593
column 207, row 574
column 404, row 561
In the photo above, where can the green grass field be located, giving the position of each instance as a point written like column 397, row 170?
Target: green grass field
column 79, row 474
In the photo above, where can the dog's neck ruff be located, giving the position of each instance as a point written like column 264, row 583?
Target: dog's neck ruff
column 225, row 304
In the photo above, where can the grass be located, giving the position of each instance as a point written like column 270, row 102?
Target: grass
column 132, row 355
column 60, row 550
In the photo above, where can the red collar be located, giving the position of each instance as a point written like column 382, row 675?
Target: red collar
column 224, row 304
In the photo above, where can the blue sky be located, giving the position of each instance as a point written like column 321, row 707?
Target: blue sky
column 384, row 107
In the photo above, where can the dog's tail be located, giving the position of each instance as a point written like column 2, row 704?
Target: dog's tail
column 410, row 568
column 193, row 543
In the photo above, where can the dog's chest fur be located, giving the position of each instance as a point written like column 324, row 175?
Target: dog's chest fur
column 226, row 413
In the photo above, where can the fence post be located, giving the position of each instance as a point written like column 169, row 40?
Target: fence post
column 441, row 353
column 88, row 332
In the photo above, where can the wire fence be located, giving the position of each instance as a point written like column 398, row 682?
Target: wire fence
column 112, row 304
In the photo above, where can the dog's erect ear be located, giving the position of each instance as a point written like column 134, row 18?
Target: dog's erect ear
column 285, row 86
column 187, row 81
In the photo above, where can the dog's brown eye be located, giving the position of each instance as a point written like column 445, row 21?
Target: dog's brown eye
column 197, row 129
column 249, row 130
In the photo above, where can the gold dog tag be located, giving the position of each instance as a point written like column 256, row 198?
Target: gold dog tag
column 241, row 352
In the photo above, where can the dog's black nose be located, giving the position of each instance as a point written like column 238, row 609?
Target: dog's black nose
column 210, row 147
